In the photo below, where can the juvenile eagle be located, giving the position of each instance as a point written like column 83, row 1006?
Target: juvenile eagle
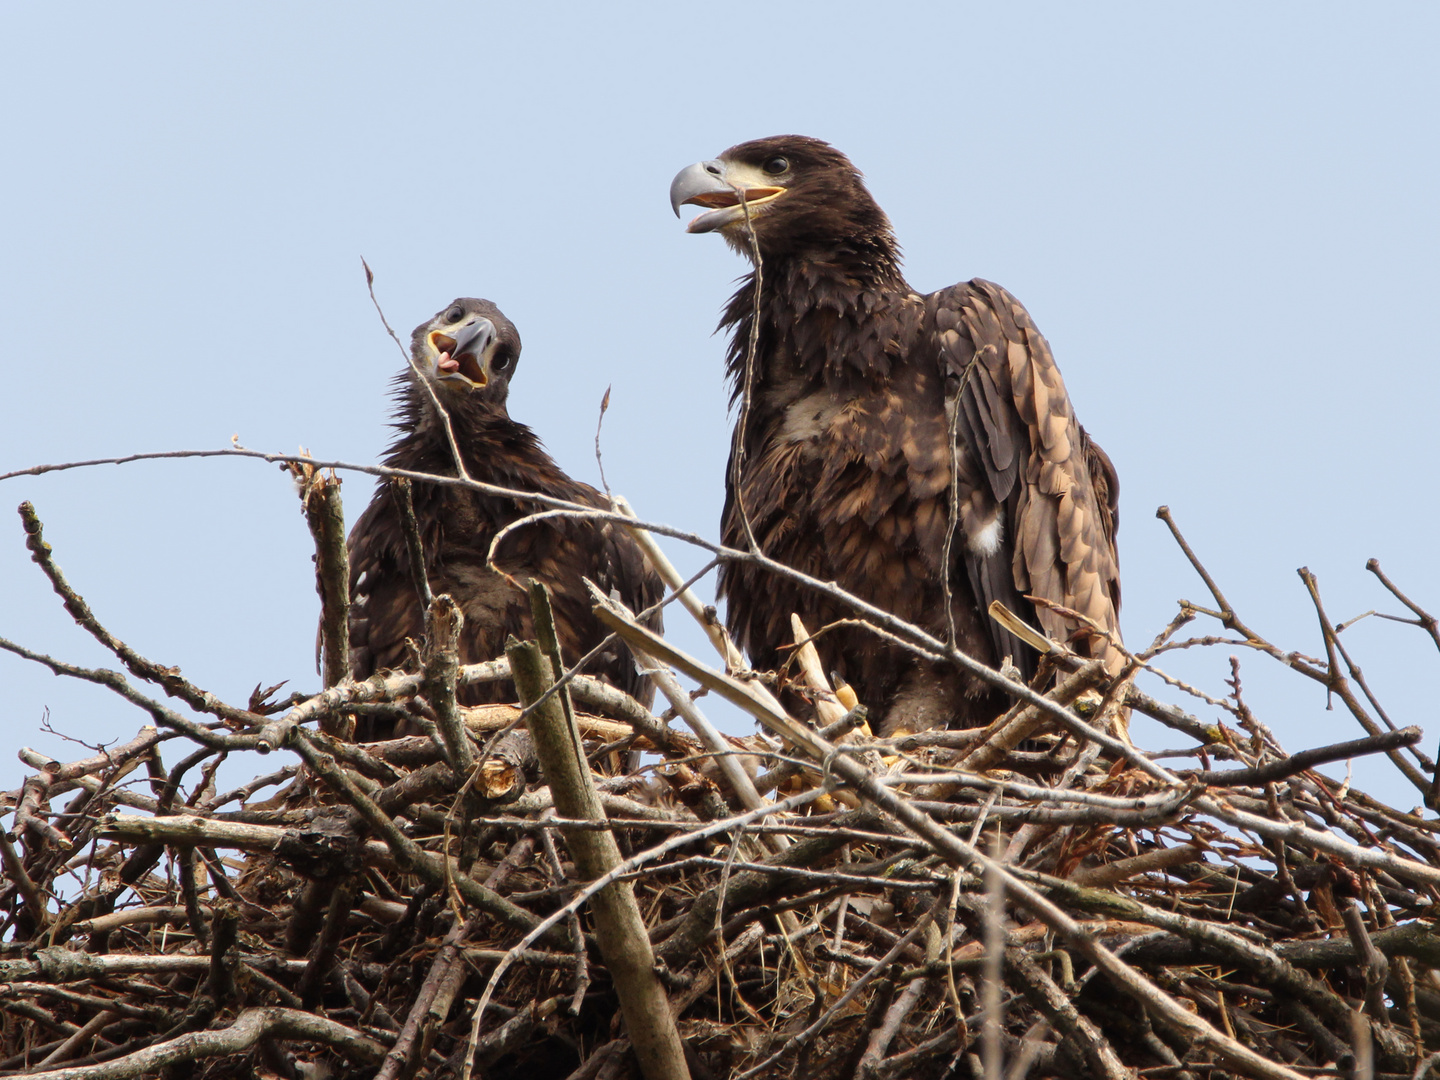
column 468, row 353
column 863, row 396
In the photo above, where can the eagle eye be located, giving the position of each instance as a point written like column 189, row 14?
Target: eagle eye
column 455, row 314
column 776, row 165
column 503, row 361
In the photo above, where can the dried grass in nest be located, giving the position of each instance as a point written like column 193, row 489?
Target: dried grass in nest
column 1038, row 898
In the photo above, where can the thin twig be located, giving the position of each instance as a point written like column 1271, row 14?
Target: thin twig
column 424, row 382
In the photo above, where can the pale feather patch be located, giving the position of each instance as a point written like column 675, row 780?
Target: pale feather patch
column 986, row 540
column 807, row 419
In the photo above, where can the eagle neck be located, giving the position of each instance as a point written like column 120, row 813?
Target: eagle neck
column 476, row 423
column 836, row 319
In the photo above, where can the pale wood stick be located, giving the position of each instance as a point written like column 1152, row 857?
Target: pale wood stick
column 619, row 927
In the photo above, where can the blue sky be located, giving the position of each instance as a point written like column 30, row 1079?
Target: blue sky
column 1223, row 217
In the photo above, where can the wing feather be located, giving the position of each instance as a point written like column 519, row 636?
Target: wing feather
column 1030, row 462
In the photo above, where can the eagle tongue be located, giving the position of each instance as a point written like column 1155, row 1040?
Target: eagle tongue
column 447, row 363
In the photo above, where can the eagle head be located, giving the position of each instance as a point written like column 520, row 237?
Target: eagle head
column 469, row 347
column 802, row 196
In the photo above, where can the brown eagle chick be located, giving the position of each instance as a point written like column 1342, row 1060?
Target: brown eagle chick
column 887, row 429
column 468, row 354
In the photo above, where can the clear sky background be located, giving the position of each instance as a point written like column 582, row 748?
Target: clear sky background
column 1223, row 216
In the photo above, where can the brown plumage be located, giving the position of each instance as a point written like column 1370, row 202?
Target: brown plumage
column 861, row 390
column 468, row 353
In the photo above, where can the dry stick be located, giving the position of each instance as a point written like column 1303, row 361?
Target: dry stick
column 687, row 933
column 322, row 955
column 803, row 1038
column 795, row 873
column 629, row 709
column 276, row 457
column 15, row 872
column 752, row 345
column 35, row 1013
column 30, row 811
column 708, row 977
column 1094, row 1049
column 619, row 926
column 409, row 856
column 906, row 634
column 401, row 492
column 249, row 1028
column 167, row 678
column 1226, row 614
column 733, row 771
column 760, row 703
column 191, row 897
column 547, row 637
column 436, row 996
column 1122, row 684
column 60, row 964
column 662, row 565
column 1294, row 832
column 1337, row 683
column 415, row 1038
column 740, row 781
column 141, row 916
column 1008, row 731
column 441, row 659
column 557, row 878
column 1330, row 676
column 1226, row 611
column 325, row 515
column 377, row 688
column 1305, row 759
column 113, row 680
column 74, row 1042
column 910, row 636
column 1032, row 1044
column 1113, row 873
column 108, row 757
column 1274, row 969
column 1159, row 803
column 89, row 1001
column 828, row 707
column 992, row 1031
column 600, row 1060
column 956, row 851
column 788, row 767
column 909, row 1062
column 419, row 375
column 705, row 731
column 26, row 811
column 599, row 461
column 1377, row 968
column 245, row 791
column 629, row 866
column 1423, row 759
column 440, row 652
column 884, row 1035
column 1423, row 618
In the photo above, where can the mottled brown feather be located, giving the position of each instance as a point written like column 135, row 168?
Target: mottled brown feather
column 457, row 527
column 857, row 381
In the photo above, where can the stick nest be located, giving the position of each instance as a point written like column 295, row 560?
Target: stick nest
column 1038, row 898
